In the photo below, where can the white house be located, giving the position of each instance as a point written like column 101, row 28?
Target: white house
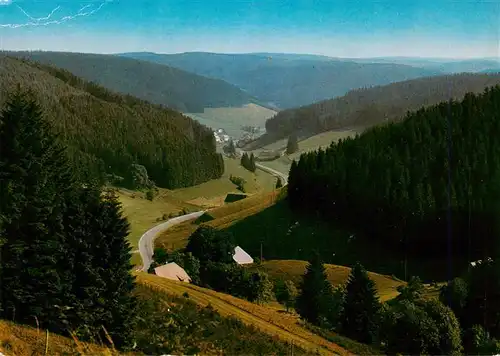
column 241, row 257
column 173, row 271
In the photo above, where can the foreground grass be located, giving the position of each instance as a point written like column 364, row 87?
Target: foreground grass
column 167, row 323
column 20, row 340
column 294, row 270
column 349, row 344
column 267, row 320
column 177, row 323
column 222, row 217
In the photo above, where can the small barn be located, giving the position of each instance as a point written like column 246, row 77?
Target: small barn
column 173, row 271
column 241, row 257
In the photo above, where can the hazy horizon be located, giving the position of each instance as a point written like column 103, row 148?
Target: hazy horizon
column 365, row 29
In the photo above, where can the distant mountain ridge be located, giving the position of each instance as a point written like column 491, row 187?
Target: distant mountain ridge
column 158, row 84
column 287, row 80
column 368, row 107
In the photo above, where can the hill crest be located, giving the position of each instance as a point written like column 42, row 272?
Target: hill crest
column 159, row 84
column 372, row 106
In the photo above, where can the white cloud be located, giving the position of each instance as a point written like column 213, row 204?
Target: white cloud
column 46, row 21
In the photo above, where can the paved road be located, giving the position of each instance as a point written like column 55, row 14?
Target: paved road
column 146, row 240
column 283, row 176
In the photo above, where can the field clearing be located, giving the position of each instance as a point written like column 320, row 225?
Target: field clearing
column 136, row 259
column 142, row 213
column 323, row 140
column 21, row 340
column 312, row 143
column 285, row 326
column 213, row 192
column 294, row 270
column 232, row 119
column 177, row 236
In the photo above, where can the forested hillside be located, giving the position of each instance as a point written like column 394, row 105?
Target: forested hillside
column 406, row 181
column 158, row 84
column 368, row 107
column 288, row 81
column 107, row 133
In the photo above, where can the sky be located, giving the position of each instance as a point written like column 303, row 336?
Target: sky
column 337, row 28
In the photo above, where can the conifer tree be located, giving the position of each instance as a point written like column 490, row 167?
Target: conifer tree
column 252, row 167
column 35, row 179
column 244, row 160
column 79, row 220
column 292, row 144
column 359, row 319
column 231, row 148
column 112, row 254
column 285, row 292
column 313, row 302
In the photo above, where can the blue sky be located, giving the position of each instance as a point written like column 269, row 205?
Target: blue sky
column 348, row 28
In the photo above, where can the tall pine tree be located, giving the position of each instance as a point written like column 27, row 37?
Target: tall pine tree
column 64, row 255
column 35, row 178
column 359, row 319
column 112, row 253
column 314, row 301
column 292, row 144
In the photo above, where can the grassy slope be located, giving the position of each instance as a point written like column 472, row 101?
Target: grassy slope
column 294, row 270
column 212, row 193
column 142, row 214
column 285, row 235
column 20, row 340
column 311, row 143
column 159, row 84
column 234, row 217
column 266, row 319
column 232, row 119
column 177, row 236
column 161, row 327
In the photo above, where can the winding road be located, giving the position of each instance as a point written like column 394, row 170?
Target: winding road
column 146, row 242
column 283, row 176
column 147, row 239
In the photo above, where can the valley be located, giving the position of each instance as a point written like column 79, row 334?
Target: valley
column 249, row 179
column 232, row 120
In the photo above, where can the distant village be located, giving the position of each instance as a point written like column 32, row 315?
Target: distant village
column 250, row 132
column 221, row 136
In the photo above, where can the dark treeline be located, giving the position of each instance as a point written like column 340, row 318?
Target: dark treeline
column 106, row 133
column 64, row 254
column 366, row 107
column 394, row 179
